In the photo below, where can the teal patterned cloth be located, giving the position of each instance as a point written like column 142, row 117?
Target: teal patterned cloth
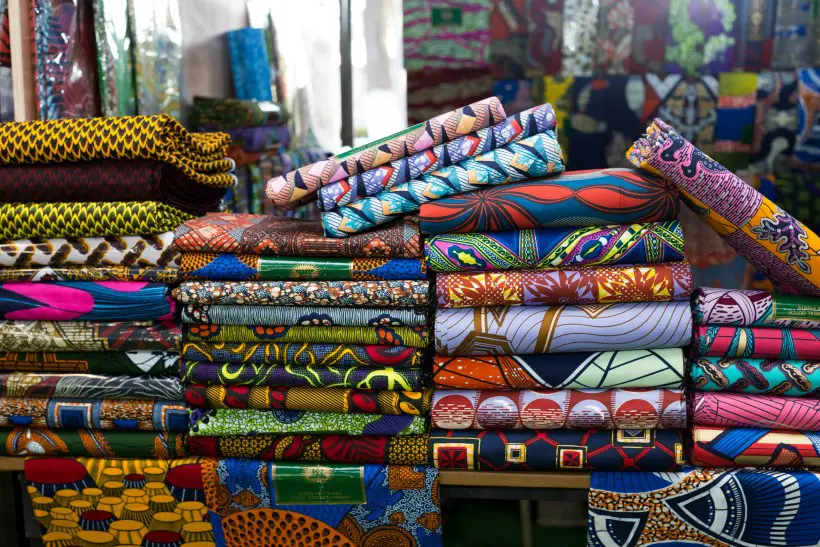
column 777, row 377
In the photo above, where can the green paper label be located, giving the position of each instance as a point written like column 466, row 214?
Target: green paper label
column 282, row 268
column 318, row 484
column 796, row 308
column 362, row 148
column 446, row 16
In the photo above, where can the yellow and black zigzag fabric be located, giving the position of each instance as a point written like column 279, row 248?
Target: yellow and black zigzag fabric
column 201, row 156
column 116, row 218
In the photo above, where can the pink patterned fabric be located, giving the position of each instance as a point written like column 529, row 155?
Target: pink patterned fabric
column 740, row 410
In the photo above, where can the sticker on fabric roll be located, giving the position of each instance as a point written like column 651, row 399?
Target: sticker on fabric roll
column 445, row 16
column 794, row 307
column 318, row 484
column 296, row 268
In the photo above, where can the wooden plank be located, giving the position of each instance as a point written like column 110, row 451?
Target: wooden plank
column 517, row 479
column 11, row 464
column 22, row 63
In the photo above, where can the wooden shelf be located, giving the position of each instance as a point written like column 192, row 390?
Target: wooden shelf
column 11, row 464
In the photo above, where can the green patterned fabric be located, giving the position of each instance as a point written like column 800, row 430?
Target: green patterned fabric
column 415, row 337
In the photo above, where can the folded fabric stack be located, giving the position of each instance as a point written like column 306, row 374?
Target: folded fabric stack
column 563, row 305
column 88, row 336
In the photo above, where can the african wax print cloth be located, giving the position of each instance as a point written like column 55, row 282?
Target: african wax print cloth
column 757, row 507
column 516, row 94
column 559, row 409
column 798, row 190
column 597, row 284
column 524, row 124
column 131, row 363
column 293, row 188
column 200, row 156
column 86, row 301
column 613, row 36
column 756, row 342
column 525, row 39
column 95, row 414
column 715, row 409
column 793, row 41
column 807, row 145
column 652, row 243
column 392, row 450
column 373, row 504
column 754, row 308
column 755, row 39
column 532, row 157
column 562, row 449
column 578, row 47
column 129, row 250
column 91, row 501
column 560, row 329
column 755, row 376
column 734, row 128
column 282, row 236
column 151, row 274
column 25, row 441
column 774, row 242
column 71, row 219
column 250, row 66
column 597, row 197
column 43, row 385
column 230, row 113
column 430, row 92
column 307, row 315
column 753, row 447
column 776, row 121
column 317, row 399
column 231, row 421
column 702, row 36
column 206, row 295
column 115, row 62
column 245, row 267
column 649, row 31
column 384, row 335
column 107, row 180
column 88, row 336
column 628, row 369
column 368, row 376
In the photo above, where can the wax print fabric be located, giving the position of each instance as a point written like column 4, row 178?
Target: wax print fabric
column 598, row 284
column 754, row 308
column 613, row 39
column 367, row 376
column 205, row 296
column 807, row 144
column 775, row 123
column 317, row 399
column 151, row 274
column 576, row 198
column 115, row 63
column 303, row 354
column 564, row 449
column 415, row 337
column 555, row 247
column 532, row 157
column 86, row 336
column 793, row 34
column 243, row 267
column 307, row 315
column 757, row 507
column 649, row 32
column 89, row 386
column 377, row 504
column 747, row 220
column 25, row 441
column 250, row 66
column 292, row 188
column 756, row 35
column 276, row 236
column 663, row 368
column 738, row 410
column 702, row 36
column 734, row 128
column 753, row 447
column 131, row 363
column 756, row 376
column 578, row 44
column 560, row 329
column 392, row 450
column 559, row 409
column 85, row 301
column 756, row 342
column 229, row 113
column 524, row 124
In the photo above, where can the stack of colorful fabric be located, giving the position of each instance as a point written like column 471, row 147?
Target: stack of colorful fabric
column 563, row 305
column 88, row 334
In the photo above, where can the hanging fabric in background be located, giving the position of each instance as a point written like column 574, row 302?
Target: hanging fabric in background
column 735, row 124
column 798, row 191
column 755, row 35
column 807, row 145
column 649, row 34
column 578, row 44
column 613, row 40
column 546, row 29
column 249, row 64
column 687, row 104
column 6, row 93
column 431, row 92
column 702, row 36
column 115, row 59
column 558, row 93
column 793, row 37
column 775, row 122
column 515, row 95
column 526, row 38
column 157, row 47
column 260, row 15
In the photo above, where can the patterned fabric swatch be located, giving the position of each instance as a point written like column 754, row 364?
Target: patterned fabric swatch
column 328, row 355
column 532, row 157
column 24, row 442
column 613, row 39
column 307, row 315
column 390, row 294
column 735, row 125
column 807, row 144
column 298, row 186
column 316, row 399
column 757, row 342
column 649, row 32
column 597, row 284
column 756, row 376
column 89, row 386
column 687, row 103
column 115, row 62
column 793, row 34
column 754, row 308
column 578, row 44
column 277, row 236
column 747, row 220
column 86, row 301
column 627, row 369
column 577, row 198
column 229, row 113
column 559, row 409
column 414, row 337
column 775, row 122
column 702, row 36
column 524, row 124
column 430, row 92
column 555, row 247
column 131, row 363
column 739, row 410
column 83, row 336
column 564, row 449
column 231, row 267
column 756, row 35
column 128, row 250
column 561, row 329
column 151, row 274
column 665, row 509
column 753, row 447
